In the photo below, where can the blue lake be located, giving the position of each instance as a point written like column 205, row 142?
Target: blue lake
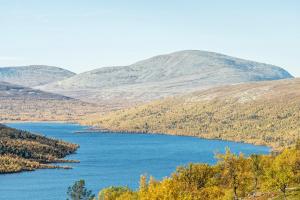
column 111, row 159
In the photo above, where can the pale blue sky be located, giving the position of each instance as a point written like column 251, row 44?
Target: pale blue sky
column 83, row 35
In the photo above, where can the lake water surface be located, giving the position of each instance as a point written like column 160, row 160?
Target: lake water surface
column 111, row 159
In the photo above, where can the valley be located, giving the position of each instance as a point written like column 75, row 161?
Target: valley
column 150, row 100
column 126, row 114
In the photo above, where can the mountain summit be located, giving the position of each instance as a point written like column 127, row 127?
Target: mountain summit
column 162, row 76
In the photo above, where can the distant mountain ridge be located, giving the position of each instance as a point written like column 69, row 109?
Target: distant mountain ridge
column 33, row 75
column 162, row 76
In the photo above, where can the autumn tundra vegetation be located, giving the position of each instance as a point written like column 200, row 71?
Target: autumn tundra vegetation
column 261, row 177
column 24, row 151
column 263, row 113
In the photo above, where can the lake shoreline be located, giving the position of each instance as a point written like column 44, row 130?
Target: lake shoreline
column 96, row 129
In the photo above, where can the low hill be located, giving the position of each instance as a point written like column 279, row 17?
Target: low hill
column 162, row 76
column 265, row 113
column 8, row 90
column 33, row 75
column 27, row 104
column 22, row 150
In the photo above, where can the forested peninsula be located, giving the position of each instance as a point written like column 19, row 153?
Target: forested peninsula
column 24, row 151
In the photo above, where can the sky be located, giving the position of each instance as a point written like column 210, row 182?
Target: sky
column 83, row 35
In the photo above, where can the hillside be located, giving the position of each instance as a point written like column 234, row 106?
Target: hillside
column 161, row 76
column 23, row 151
column 33, row 75
column 261, row 113
column 26, row 104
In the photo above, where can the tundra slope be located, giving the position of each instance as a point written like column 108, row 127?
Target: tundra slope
column 18, row 103
column 33, row 75
column 266, row 113
column 162, row 76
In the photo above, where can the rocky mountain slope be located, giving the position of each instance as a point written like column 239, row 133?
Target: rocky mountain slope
column 33, row 75
column 261, row 113
column 23, row 104
column 162, row 76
